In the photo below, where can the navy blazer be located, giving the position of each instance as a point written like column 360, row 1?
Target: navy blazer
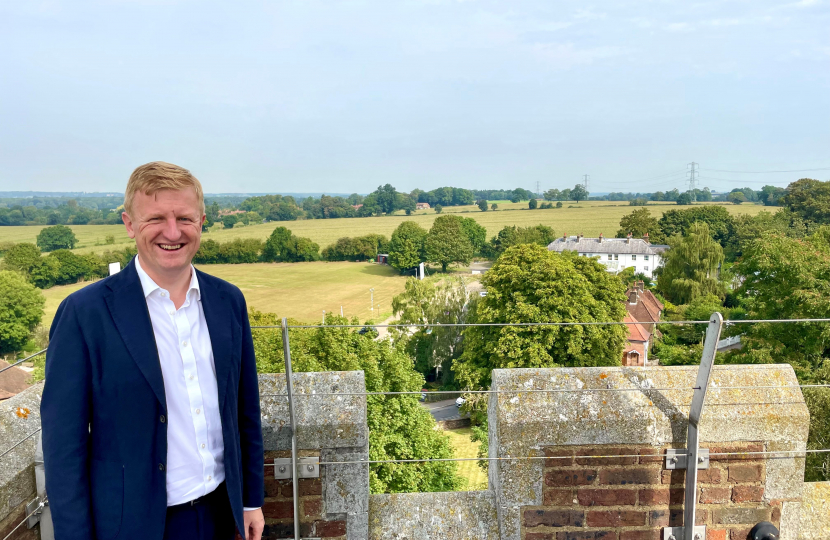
column 103, row 410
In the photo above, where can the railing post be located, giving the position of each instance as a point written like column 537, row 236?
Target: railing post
column 704, row 376
column 289, row 376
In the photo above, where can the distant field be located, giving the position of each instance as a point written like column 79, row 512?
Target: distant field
column 300, row 290
column 588, row 218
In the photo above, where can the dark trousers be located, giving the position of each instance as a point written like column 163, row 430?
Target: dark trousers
column 206, row 518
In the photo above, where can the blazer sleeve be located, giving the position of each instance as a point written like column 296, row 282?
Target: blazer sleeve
column 250, row 425
column 65, row 417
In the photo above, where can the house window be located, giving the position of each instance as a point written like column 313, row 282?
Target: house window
column 633, row 257
column 610, row 257
column 645, row 257
column 645, row 268
column 616, row 257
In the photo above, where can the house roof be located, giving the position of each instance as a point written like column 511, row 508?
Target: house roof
column 652, row 304
column 636, row 332
column 636, row 246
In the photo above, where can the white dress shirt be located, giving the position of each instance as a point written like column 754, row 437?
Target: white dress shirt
column 195, row 448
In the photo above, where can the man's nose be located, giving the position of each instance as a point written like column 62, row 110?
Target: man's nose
column 171, row 229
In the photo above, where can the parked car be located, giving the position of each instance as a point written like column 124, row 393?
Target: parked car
column 460, row 401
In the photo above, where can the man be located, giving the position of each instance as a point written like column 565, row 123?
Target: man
column 150, row 411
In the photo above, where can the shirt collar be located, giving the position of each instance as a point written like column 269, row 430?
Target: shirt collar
column 149, row 286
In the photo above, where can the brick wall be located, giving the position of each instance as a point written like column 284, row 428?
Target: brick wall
column 11, row 521
column 634, row 498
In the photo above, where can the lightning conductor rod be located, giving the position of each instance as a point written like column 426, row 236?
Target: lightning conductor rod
column 704, row 376
column 289, row 387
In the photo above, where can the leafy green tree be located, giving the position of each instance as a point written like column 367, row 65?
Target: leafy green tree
column 511, row 235
column 22, row 257
column 817, row 468
column 406, row 248
column 566, row 196
column 810, row 200
column 448, row 243
column 639, row 223
column 476, row 233
column 771, row 195
column 691, row 266
column 21, row 310
column 552, row 195
column 386, row 198
column 438, row 208
column 229, row 221
column 787, row 278
column 482, row 204
column 526, row 284
column 304, row 250
column 240, row 251
column 749, row 228
column 71, row 268
column 720, row 221
column 532, row 204
column 579, row 193
column 736, row 197
column 684, row 199
column 559, row 204
column 359, row 248
column 278, row 246
column 494, row 207
column 433, row 301
column 56, row 237
column 399, row 427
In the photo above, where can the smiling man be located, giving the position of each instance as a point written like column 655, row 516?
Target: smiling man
column 150, row 411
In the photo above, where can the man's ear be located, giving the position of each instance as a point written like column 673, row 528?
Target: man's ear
column 128, row 223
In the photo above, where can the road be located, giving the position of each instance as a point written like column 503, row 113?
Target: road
column 443, row 410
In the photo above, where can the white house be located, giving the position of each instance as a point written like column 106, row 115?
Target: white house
column 616, row 254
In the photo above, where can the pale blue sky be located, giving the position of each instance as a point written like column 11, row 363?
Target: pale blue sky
column 343, row 96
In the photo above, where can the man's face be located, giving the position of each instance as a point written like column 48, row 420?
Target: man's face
column 167, row 227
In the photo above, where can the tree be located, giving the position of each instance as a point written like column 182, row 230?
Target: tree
column 21, row 310
column 229, row 221
column 56, row 237
column 810, row 200
column 510, row 235
column 406, row 247
column 71, row 268
column 386, row 197
column 399, row 427
column 526, row 284
column 279, row 247
column 432, row 301
column 448, row 243
column 22, row 257
column 639, row 223
column 494, row 207
column 532, row 204
column 566, row 196
column 720, row 221
column 438, row 208
column 736, row 197
column 684, row 199
column 482, row 204
column 579, row 193
column 771, row 195
column 476, row 233
column 552, row 195
column 691, row 266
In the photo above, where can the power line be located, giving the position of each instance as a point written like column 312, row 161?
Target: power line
column 766, row 172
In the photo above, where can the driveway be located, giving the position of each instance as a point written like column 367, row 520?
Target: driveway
column 443, row 410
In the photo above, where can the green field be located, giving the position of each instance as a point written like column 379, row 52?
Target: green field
column 588, row 218
column 475, row 476
column 299, row 290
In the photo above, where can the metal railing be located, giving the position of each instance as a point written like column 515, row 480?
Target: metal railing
column 699, row 390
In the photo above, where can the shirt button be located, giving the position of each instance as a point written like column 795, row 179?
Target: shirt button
column 198, row 411
column 172, row 312
column 161, row 466
column 163, row 294
column 209, row 477
column 203, row 445
column 162, row 419
column 184, row 343
column 191, row 377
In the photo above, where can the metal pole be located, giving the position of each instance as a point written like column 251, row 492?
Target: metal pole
column 704, row 376
column 289, row 375
column 372, row 301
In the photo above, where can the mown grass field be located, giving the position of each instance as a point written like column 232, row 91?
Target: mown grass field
column 300, row 290
column 475, row 476
column 588, row 218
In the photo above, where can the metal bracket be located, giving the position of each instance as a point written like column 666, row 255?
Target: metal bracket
column 34, row 510
column 307, row 467
column 676, row 458
column 676, row 533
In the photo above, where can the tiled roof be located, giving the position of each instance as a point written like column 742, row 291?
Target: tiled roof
column 12, row 381
column 636, row 246
column 635, row 331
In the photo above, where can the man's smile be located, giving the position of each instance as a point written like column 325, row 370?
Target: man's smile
column 170, row 247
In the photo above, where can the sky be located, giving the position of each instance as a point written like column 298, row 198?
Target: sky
column 342, row 96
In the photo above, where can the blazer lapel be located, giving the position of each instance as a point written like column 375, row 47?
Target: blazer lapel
column 128, row 309
column 220, row 328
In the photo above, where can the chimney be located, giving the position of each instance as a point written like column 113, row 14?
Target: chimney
column 600, row 238
column 628, row 239
column 645, row 237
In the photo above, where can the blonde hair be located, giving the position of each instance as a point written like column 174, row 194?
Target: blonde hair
column 158, row 175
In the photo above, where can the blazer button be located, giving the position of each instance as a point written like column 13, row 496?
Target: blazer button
column 161, row 466
column 162, row 418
